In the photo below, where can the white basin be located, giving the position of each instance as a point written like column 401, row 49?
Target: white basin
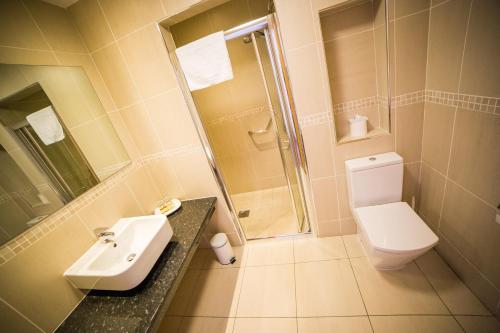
column 139, row 242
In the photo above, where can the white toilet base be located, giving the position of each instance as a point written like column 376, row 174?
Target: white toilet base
column 389, row 261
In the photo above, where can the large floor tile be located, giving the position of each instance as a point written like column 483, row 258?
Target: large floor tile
column 415, row 324
column 405, row 291
column 265, row 325
column 206, row 325
column 315, row 249
column 180, row 302
column 334, row 324
column 457, row 297
column 269, row 252
column 474, row 324
column 215, row 293
column 268, row 291
column 327, row 288
column 353, row 246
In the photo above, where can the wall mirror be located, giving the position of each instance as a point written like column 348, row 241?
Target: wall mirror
column 355, row 39
column 56, row 142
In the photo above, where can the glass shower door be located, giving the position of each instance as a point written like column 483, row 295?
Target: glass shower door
column 277, row 106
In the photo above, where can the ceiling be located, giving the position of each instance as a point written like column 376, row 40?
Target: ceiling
column 61, row 3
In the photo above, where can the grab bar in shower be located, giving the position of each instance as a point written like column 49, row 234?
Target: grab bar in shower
column 261, row 131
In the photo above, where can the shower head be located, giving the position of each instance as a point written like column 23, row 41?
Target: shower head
column 248, row 38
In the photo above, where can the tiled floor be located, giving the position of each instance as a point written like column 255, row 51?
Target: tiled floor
column 320, row 285
column 274, row 202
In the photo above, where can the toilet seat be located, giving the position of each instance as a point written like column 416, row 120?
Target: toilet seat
column 395, row 227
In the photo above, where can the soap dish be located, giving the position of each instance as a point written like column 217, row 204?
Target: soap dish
column 169, row 207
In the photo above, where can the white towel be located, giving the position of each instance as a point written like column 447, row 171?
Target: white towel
column 205, row 62
column 46, row 125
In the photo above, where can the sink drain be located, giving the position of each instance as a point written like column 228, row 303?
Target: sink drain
column 131, row 257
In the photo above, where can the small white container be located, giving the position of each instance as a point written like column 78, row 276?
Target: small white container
column 358, row 126
column 222, row 248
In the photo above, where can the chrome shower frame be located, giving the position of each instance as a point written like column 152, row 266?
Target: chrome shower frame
column 275, row 48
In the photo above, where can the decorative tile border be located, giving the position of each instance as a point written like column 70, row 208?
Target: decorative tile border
column 468, row 102
column 32, row 235
column 238, row 115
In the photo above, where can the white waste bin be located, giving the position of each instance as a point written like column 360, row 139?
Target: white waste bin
column 222, row 248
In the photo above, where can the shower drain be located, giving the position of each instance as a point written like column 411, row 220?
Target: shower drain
column 244, row 213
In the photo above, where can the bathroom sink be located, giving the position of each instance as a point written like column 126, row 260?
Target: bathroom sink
column 125, row 261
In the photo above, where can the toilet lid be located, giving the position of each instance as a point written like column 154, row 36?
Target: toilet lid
column 395, row 227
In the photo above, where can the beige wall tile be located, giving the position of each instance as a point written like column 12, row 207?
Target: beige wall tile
column 411, row 176
column 457, row 297
column 163, row 175
column 334, row 324
column 438, row 126
column 18, row 29
column 144, row 189
column 411, row 52
column 113, row 69
column 57, row 27
column 376, row 145
column 141, row 129
column 148, row 61
column 407, row 283
column 348, row 227
column 407, row 7
column 10, row 55
column 333, row 293
column 345, row 209
column 12, row 321
column 329, row 228
column 481, row 56
column 479, row 324
column 446, row 43
column 172, row 120
column 192, row 29
column 469, row 274
column 319, row 156
column 305, row 80
column 346, row 21
column 409, row 127
column 265, row 325
column 85, row 61
column 50, row 290
column 470, row 225
column 431, row 195
column 415, row 324
column 170, row 324
column 124, row 135
column 475, row 154
column 325, row 198
column 91, row 23
column 229, row 15
column 295, row 35
column 129, row 15
column 265, row 286
column 351, row 67
column 114, row 204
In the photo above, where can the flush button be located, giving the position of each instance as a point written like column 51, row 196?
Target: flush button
column 372, row 159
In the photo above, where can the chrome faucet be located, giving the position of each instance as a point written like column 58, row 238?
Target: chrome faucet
column 103, row 232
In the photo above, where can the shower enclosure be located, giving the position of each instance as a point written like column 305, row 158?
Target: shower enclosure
column 250, row 130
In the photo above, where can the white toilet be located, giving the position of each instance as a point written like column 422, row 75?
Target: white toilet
column 392, row 234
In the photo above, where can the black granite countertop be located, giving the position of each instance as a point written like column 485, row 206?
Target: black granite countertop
column 142, row 308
